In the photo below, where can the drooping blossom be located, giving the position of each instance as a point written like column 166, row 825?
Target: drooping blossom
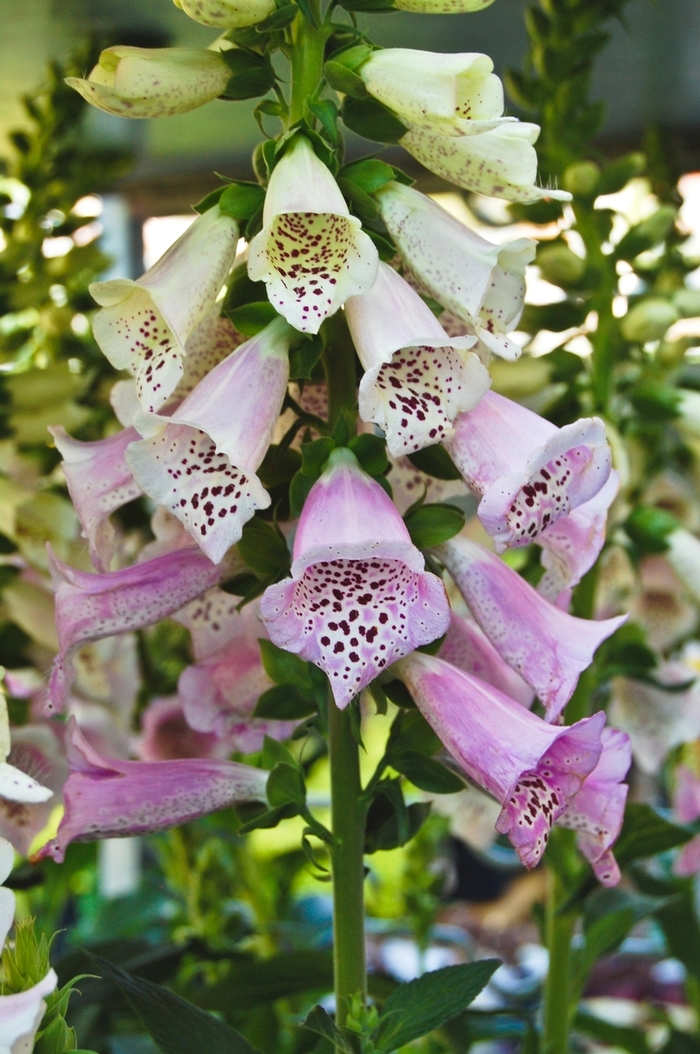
column 532, row 768
column 153, row 82
column 597, row 811
column 166, row 735
column 201, row 461
column 220, row 691
column 311, row 253
column 572, row 544
column 455, row 94
column 227, row 14
column 501, row 163
column 90, row 607
column 417, row 379
column 111, row 798
column 528, row 472
column 482, row 284
column 37, row 751
column 547, row 647
column 654, row 719
column 659, row 605
column 468, row 648
column 99, row 482
column 143, row 325
column 686, row 806
column 16, row 785
column 359, row 597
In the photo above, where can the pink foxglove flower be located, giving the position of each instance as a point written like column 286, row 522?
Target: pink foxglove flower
column 686, row 806
column 110, row 798
column 227, row 14
column 527, row 471
column 657, row 721
column 90, row 607
column 38, row 752
column 597, row 811
column 166, row 735
column 482, row 284
column 359, row 597
column 143, row 326
column 99, row 482
column 501, row 163
column 572, row 544
column 220, row 691
column 153, row 82
column 468, row 648
column 200, row 462
column 547, row 647
column 311, row 252
column 533, row 769
column 659, row 606
column 455, row 94
column 417, row 379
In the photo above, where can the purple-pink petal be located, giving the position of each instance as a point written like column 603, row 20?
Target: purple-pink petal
column 532, row 768
column 548, row 647
column 468, row 648
column 110, row 798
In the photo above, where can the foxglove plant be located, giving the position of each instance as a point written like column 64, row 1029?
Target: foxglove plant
column 350, row 591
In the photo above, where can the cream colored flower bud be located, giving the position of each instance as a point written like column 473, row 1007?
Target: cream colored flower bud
column 648, row 320
column 227, row 14
column 441, row 7
column 153, row 82
column 450, row 94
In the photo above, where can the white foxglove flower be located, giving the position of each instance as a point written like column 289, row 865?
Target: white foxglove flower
column 227, row 14
column 311, row 252
column 441, row 7
column 450, row 94
column 16, row 785
column 481, row 283
column 153, row 82
column 144, row 324
column 417, row 379
column 501, row 163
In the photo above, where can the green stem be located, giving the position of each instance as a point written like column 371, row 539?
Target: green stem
column 307, row 56
column 339, row 362
column 559, row 930
column 348, row 822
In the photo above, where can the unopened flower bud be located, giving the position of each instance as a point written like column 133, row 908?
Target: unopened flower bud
column 648, row 320
column 687, row 301
column 582, row 178
column 559, row 265
column 441, row 7
column 227, row 14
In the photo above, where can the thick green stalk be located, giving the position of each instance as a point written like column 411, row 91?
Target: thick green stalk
column 348, row 823
column 307, row 55
column 559, row 930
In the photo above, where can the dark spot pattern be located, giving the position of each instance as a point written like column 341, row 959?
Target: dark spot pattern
column 308, row 251
column 533, row 805
column 545, row 497
column 155, row 357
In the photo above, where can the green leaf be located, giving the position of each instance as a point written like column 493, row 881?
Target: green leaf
column 209, row 201
column 249, row 983
column 304, row 357
column 630, row 1039
column 369, row 174
column 317, row 1020
column 176, row 1026
column 269, row 818
column 263, row 548
column 241, row 290
column 399, row 694
column 426, row 773
column 679, row 922
column 385, row 248
column 284, row 702
column 371, row 119
column 286, row 784
column 370, row 451
column 252, row 318
column 411, row 732
column 315, row 454
column 433, row 524
column 649, row 528
column 646, row 833
column 435, row 461
column 279, row 465
column 242, row 200
column 416, row 1008
column 326, row 112
column 365, row 206
column 603, row 936
column 390, row 822
column 284, row 668
column 307, row 10
column 251, row 74
column 343, row 80
column 298, row 493
column 279, row 19
column 367, row 5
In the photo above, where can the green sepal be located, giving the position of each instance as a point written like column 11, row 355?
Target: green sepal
column 268, row 818
column 241, row 200
column 326, row 112
column 370, row 451
column 649, row 528
column 275, row 753
column 390, row 822
column 286, row 785
column 209, row 201
column 432, row 525
column 435, row 461
column 365, row 206
column 385, row 248
column 284, row 702
column 369, row 174
column 284, row 668
column 343, row 80
column 264, row 548
column 304, row 357
column 426, row 773
column 399, row 694
column 278, row 20
column 251, row 75
column 372, row 120
column 250, row 319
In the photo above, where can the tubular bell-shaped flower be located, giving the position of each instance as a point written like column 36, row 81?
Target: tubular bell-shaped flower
column 166, row 735
column 527, row 471
column 597, row 811
column 481, row 283
column 417, row 379
column 547, row 647
column 153, row 82
column 143, row 325
column 657, row 720
column 456, row 94
column 467, row 647
column 311, row 252
column 227, row 14
column 359, row 597
column 686, row 807
column 200, row 462
column 532, row 768
column 99, row 482
column 501, row 162
column 111, row 798
column 16, row 785
column 37, row 752
column 90, row 607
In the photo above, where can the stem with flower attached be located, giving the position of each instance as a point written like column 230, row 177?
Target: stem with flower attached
column 307, row 56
